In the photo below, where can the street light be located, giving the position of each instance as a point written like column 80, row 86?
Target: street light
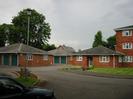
column 28, row 28
column 28, row 13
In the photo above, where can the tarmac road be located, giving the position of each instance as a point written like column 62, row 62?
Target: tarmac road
column 75, row 86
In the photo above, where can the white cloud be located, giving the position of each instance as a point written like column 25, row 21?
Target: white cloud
column 74, row 22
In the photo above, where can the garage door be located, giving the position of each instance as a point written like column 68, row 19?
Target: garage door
column 6, row 59
column 63, row 59
column 14, row 60
column 56, row 59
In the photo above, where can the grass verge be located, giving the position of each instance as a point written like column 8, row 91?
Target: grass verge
column 114, row 71
column 28, row 81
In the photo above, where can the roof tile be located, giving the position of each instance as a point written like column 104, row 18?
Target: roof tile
column 100, row 50
column 21, row 48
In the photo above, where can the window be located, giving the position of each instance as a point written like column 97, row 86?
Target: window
column 79, row 58
column 104, row 58
column 120, row 59
column 45, row 57
column 128, row 59
column 127, row 33
column 127, row 46
column 29, row 57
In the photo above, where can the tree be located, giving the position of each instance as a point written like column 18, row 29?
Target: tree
column 39, row 30
column 111, row 42
column 98, row 39
column 104, row 43
column 4, row 32
column 48, row 47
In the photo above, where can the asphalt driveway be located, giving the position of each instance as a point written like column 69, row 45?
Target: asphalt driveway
column 75, row 86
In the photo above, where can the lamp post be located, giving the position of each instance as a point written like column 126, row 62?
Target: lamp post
column 28, row 27
column 28, row 30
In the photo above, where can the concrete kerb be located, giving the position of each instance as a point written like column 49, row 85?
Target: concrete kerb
column 38, row 82
column 99, row 74
column 16, row 74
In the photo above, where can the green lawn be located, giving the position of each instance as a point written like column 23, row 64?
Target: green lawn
column 114, row 71
column 28, row 81
column 117, row 71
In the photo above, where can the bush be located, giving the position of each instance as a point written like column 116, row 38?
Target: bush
column 90, row 67
column 24, row 72
column 28, row 81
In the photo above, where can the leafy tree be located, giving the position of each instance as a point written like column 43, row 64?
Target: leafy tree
column 104, row 43
column 13, row 35
column 111, row 42
column 39, row 31
column 98, row 39
column 49, row 47
column 4, row 32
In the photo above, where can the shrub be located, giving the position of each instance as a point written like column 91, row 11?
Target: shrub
column 90, row 67
column 24, row 72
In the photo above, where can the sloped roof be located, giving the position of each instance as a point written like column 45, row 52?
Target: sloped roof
column 100, row 50
column 21, row 48
column 124, row 28
column 62, row 51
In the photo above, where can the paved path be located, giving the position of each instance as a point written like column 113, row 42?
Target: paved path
column 75, row 86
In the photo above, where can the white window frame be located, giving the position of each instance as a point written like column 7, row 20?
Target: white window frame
column 29, row 57
column 45, row 57
column 104, row 59
column 127, row 45
column 120, row 59
column 79, row 58
column 127, row 33
column 128, row 59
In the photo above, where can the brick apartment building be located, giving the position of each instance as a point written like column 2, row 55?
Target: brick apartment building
column 124, row 44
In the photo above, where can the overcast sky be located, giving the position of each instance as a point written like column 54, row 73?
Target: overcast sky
column 74, row 22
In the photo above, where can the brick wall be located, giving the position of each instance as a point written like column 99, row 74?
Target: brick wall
column 98, row 64
column 74, row 61
column 123, row 39
column 95, row 62
column 125, row 64
column 83, row 63
column 36, row 61
column 122, row 64
column 128, row 52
